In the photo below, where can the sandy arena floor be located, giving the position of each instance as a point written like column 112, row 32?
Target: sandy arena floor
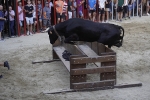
column 25, row 81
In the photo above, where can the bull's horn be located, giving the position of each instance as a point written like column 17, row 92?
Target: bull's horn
column 46, row 30
column 50, row 32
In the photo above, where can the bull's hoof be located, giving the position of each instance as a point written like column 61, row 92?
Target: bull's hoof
column 6, row 64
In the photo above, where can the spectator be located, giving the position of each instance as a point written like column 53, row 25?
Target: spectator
column 125, row 8
column 2, row 19
column 101, row 10
column 20, row 14
column 130, row 3
column 65, row 7
column 29, row 16
column 46, row 16
column 79, row 3
column 59, row 9
column 120, row 9
column 34, row 16
column 107, row 9
column 148, row 7
column 11, row 21
column 92, row 9
column 139, row 7
column 74, row 7
column 50, row 6
column 40, row 14
column 34, row 5
column 70, row 8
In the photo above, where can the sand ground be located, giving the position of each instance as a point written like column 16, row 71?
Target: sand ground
column 25, row 81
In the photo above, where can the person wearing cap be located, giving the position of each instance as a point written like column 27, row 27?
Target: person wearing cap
column 46, row 16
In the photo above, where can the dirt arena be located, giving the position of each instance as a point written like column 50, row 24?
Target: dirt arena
column 25, row 81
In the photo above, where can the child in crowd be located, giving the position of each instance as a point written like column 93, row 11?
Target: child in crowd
column 46, row 16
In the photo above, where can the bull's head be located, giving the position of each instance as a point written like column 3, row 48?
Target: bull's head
column 52, row 35
column 114, row 38
column 118, row 40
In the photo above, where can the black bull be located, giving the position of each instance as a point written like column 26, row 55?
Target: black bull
column 84, row 30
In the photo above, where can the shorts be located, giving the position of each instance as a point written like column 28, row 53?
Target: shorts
column 40, row 18
column 80, row 14
column 29, row 20
column 59, row 16
column 119, row 9
column 74, row 14
column 101, row 10
column 125, row 9
column 34, row 19
column 129, row 7
column 107, row 9
column 46, row 22
column 70, row 14
column 21, row 23
column 1, row 28
column 92, row 11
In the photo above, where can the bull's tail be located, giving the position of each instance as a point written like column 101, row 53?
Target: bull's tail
column 122, row 35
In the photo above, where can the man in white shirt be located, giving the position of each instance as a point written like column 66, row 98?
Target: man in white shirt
column 101, row 10
column 11, row 20
column 20, row 14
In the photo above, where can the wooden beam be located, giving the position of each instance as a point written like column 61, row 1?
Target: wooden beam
column 83, row 85
column 93, row 89
column 81, row 71
column 59, row 50
column 94, row 59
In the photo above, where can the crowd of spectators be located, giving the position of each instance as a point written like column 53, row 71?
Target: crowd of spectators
column 97, row 10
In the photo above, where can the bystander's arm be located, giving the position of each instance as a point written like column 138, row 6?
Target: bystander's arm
column 21, row 11
column 1, row 18
column 12, row 15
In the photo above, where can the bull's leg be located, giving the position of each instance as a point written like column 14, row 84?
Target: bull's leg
column 71, row 38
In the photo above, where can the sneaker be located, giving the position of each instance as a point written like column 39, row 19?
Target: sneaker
column 31, row 34
column 106, row 21
column 129, row 17
column 1, row 40
column 6, row 64
column 147, row 14
column 12, row 36
column 28, row 33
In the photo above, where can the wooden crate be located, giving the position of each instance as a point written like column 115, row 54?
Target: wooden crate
column 83, row 53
